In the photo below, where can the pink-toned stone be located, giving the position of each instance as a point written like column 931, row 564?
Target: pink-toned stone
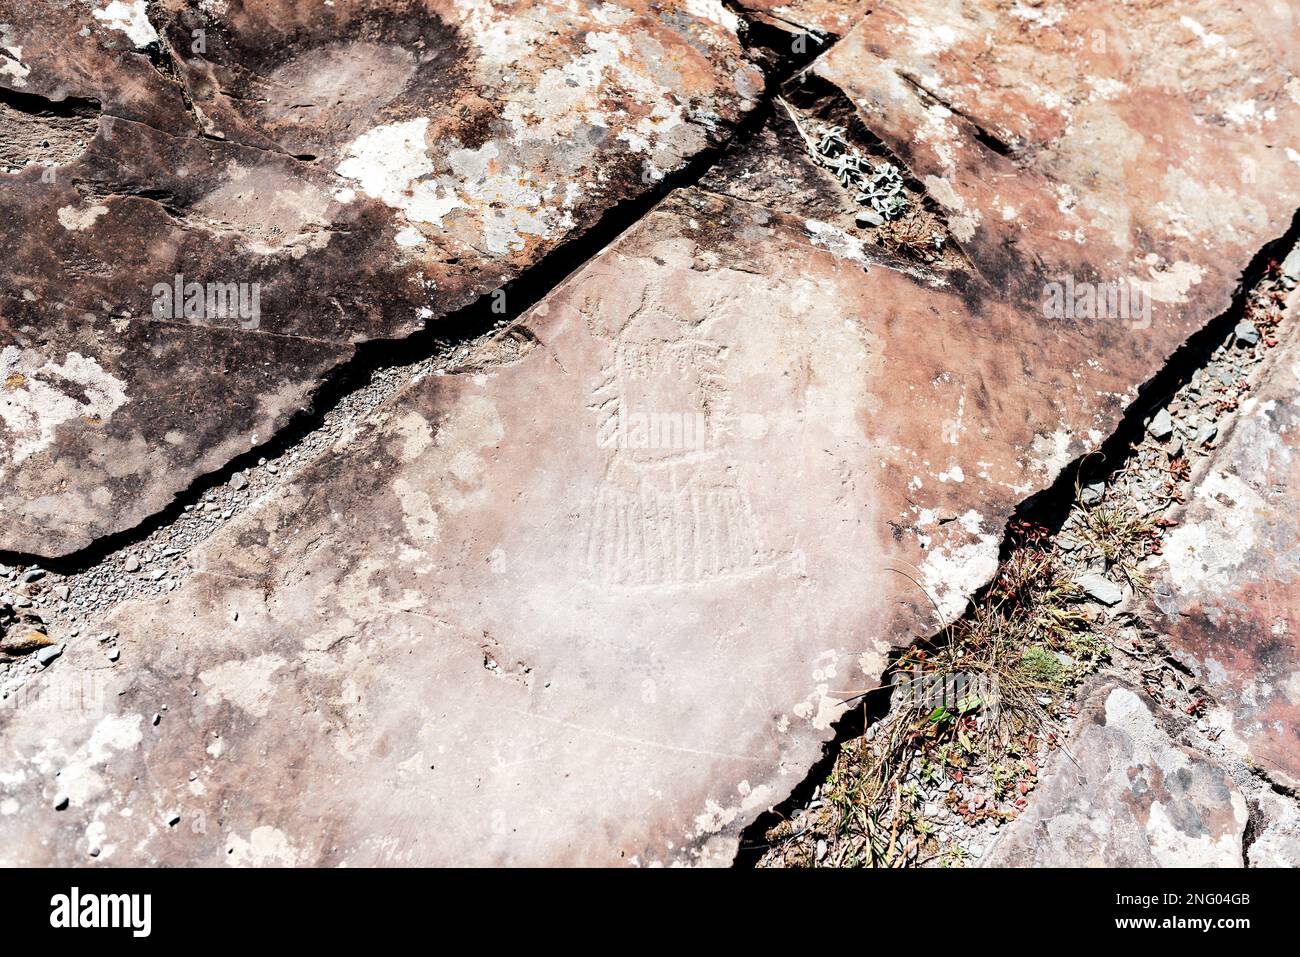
column 820, row 18
column 492, row 626
column 1146, row 143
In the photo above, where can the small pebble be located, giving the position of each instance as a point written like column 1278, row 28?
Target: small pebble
column 1100, row 588
column 1246, row 333
column 869, row 217
column 1092, row 493
column 1161, row 426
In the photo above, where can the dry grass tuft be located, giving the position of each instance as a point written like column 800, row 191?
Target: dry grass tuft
column 1015, row 654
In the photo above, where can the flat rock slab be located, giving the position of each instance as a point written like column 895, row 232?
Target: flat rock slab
column 1226, row 592
column 1152, row 143
column 597, row 599
column 564, row 609
column 353, row 169
column 1277, row 842
column 813, row 20
column 1126, row 794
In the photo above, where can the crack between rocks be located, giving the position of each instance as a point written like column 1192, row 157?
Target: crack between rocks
column 475, row 322
column 1278, row 787
column 1258, row 819
column 34, row 104
column 208, row 138
column 173, row 73
column 813, row 95
column 983, row 134
column 1049, row 507
column 469, row 325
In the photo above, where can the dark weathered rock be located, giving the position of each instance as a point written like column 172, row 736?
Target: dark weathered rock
column 1126, row 794
column 360, row 167
column 1226, row 591
column 772, row 169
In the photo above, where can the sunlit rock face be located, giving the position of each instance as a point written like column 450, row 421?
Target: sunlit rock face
column 1225, row 590
column 1130, row 796
column 598, row 594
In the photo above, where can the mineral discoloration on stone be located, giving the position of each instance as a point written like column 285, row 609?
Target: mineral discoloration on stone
column 816, row 20
column 585, row 550
column 367, row 167
column 513, row 603
column 488, row 127
column 1127, row 795
column 1089, row 152
column 598, row 597
column 1109, row 143
column 1226, row 592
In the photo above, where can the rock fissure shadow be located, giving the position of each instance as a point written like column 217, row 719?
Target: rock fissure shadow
column 481, row 319
column 1049, row 508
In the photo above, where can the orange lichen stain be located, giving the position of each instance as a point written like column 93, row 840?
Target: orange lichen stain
column 15, row 381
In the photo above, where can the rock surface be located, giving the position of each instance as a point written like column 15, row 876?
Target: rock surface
column 1226, row 593
column 1138, row 144
column 1126, row 794
column 360, row 167
column 557, row 610
column 1278, row 843
column 814, row 20
column 598, row 597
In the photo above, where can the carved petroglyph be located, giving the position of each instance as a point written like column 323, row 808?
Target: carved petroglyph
column 671, row 508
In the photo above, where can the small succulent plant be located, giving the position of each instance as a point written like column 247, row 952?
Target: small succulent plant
column 878, row 189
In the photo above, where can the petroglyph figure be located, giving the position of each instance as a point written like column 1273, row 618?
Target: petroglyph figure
column 672, row 508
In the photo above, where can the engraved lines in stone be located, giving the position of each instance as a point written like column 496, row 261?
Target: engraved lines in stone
column 683, row 534
column 670, row 509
